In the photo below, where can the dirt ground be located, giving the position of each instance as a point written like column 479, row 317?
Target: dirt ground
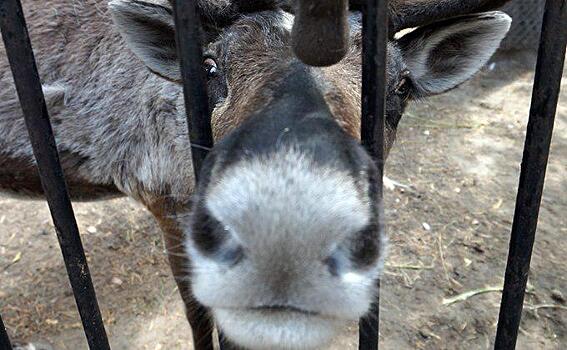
column 459, row 156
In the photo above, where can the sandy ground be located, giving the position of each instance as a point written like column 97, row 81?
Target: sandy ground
column 458, row 155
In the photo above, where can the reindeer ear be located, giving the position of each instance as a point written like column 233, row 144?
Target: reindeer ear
column 443, row 55
column 149, row 31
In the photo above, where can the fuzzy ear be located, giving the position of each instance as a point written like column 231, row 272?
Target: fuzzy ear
column 443, row 55
column 149, row 31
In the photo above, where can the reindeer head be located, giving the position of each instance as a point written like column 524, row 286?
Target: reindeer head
column 284, row 236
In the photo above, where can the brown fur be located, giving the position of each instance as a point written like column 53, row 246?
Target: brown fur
column 165, row 211
column 413, row 13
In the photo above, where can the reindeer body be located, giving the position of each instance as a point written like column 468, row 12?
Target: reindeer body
column 115, row 122
column 282, row 242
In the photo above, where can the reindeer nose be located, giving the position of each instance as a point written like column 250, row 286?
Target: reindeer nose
column 320, row 35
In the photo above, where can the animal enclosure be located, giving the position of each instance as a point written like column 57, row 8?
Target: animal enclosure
column 537, row 145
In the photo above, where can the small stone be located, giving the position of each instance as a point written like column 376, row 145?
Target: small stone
column 91, row 229
column 117, row 281
column 475, row 222
column 468, row 182
column 32, row 346
column 51, row 322
column 426, row 226
column 426, row 133
column 557, row 296
column 457, row 190
column 498, row 204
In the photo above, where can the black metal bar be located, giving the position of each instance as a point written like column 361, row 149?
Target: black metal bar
column 28, row 85
column 549, row 70
column 225, row 344
column 375, row 39
column 190, row 52
column 368, row 328
column 4, row 339
column 188, row 27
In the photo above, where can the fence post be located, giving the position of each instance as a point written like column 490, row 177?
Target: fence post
column 188, row 27
column 375, row 39
column 28, row 86
column 545, row 96
column 190, row 52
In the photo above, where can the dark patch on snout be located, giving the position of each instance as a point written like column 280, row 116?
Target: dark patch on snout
column 207, row 232
column 298, row 117
column 366, row 251
column 365, row 248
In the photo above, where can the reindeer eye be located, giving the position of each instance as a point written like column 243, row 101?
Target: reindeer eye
column 403, row 87
column 210, row 67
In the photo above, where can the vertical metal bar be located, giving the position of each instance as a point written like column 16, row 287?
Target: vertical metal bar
column 4, row 339
column 375, row 39
column 188, row 27
column 225, row 344
column 545, row 96
column 188, row 32
column 28, row 85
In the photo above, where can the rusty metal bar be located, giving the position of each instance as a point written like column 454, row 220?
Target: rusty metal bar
column 4, row 339
column 188, row 32
column 375, row 39
column 549, row 70
column 28, row 86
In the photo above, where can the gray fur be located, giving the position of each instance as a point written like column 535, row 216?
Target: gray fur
column 117, row 116
column 290, row 215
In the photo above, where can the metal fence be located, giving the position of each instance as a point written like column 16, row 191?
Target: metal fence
column 547, row 83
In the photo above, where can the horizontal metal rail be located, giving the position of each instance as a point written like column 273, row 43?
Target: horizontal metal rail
column 28, row 86
column 375, row 39
column 549, row 71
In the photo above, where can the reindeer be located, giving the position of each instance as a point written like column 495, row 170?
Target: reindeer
column 280, row 240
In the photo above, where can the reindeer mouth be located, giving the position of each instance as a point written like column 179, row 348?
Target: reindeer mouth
column 284, row 308
column 277, row 327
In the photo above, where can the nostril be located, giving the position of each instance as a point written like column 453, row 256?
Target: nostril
column 332, row 264
column 337, row 261
column 231, row 255
column 214, row 239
